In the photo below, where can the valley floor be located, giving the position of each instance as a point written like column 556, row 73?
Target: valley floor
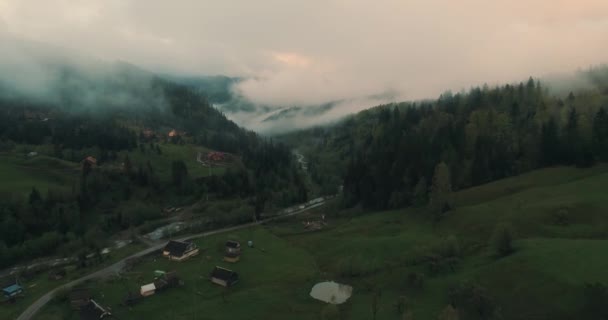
column 560, row 220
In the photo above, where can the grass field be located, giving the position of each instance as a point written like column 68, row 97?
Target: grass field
column 560, row 220
column 169, row 153
column 20, row 173
column 40, row 284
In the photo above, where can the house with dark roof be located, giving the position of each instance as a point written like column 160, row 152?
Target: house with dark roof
column 232, row 257
column 233, row 247
column 180, row 250
column 166, row 281
column 90, row 160
column 223, row 277
column 233, row 251
column 94, row 311
column 80, row 298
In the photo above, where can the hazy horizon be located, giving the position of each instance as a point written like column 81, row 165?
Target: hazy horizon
column 314, row 52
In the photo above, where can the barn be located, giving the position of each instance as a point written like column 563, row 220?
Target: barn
column 180, row 250
column 223, row 277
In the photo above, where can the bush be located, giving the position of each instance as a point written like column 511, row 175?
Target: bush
column 61, row 295
column 474, row 301
column 561, row 217
column 416, row 280
column 502, row 240
column 357, row 265
column 596, row 300
column 439, row 257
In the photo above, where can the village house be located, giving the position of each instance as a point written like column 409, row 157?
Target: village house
column 233, row 251
column 223, row 277
column 94, row 311
column 232, row 257
column 11, row 289
column 166, row 281
column 216, row 156
column 180, row 250
column 148, row 134
column 79, row 298
column 147, row 290
column 233, row 247
column 90, row 160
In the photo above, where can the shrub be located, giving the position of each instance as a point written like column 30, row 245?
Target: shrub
column 502, row 240
column 596, row 300
column 61, row 295
column 561, row 217
column 416, row 280
column 473, row 300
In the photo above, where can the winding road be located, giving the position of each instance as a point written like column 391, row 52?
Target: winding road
column 118, row 266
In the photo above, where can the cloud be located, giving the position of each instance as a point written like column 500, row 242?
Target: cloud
column 311, row 52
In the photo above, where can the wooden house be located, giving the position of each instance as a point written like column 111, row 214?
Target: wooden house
column 166, row 281
column 147, row 290
column 232, row 257
column 233, row 247
column 90, row 160
column 180, row 250
column 223, row 277
column 233, row 251
column 94, row 311
column 79, row 298
column 12, row 291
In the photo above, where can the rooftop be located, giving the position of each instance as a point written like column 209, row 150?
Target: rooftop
column 177, row 248
column 223, row 273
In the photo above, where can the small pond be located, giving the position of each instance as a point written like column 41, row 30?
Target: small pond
column 331, row 292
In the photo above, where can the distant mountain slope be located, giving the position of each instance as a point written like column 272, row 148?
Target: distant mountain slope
column 387, row 156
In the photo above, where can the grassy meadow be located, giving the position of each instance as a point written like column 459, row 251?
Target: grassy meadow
column 20, row 173
column 561, row 234
column 37, row 285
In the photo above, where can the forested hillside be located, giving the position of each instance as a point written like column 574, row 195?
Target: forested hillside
column 142, row 133
column 386, row 156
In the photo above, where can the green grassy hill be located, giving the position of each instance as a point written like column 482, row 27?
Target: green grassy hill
column 561, row 231
column 172, row 152
column 20, row 173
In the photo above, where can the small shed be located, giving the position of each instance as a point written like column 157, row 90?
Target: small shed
column 232, row 257
column 166, row 281
column 224, row 277
column 148, row 289
column 90, row 160
column 79, row 298
column 12, row 291
column 233, row 247
column 180, row 250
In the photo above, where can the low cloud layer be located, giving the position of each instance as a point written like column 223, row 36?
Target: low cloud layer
column 312, row 52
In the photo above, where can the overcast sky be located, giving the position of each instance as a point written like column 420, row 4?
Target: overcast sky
column 312, row 51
